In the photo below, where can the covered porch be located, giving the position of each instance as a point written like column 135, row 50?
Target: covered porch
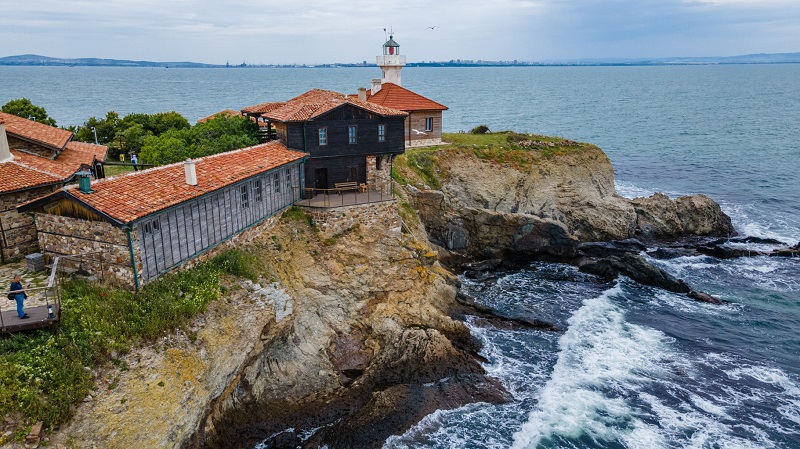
column 344, row 196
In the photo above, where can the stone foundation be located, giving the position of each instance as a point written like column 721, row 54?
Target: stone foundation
column 334, row 220
column 424, row 143
column 18, row 231
column 379, row 179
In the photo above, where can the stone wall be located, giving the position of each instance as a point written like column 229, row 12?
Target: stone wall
column 17, row 231
column 334, row 220
column 104, row 249
column 379, row 179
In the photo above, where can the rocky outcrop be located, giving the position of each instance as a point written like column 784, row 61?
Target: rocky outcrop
column 485, row 210
column 368, row 350
column 658, row 216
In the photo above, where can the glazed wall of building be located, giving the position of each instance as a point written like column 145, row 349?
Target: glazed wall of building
column 174, row 236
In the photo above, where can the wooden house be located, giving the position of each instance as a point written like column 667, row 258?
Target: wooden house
column 350, row 141
column 35, row 159
column 143, row 224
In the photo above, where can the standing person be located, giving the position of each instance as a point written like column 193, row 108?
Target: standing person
column 19, row 295
column 135, row 160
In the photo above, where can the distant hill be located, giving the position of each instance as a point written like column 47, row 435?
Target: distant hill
column 50, row 61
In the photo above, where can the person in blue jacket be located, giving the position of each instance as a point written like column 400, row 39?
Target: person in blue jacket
column 19, row 296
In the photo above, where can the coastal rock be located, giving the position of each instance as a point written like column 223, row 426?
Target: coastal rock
column 485, row 210
column 658, row 216
column 614, row 248
column 635, row 267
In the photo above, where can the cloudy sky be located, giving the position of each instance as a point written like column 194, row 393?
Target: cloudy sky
column 303, row 31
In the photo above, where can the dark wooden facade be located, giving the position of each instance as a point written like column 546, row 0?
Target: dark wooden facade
column 339, row 160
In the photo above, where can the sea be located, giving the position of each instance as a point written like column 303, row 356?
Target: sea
column 632, row 366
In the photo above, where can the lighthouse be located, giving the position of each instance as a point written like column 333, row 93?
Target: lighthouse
column 390, row 62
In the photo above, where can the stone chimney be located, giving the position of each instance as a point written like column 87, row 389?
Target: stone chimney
column 5, row 153
column 362, row 94
column 191, row 173
column 376, row 85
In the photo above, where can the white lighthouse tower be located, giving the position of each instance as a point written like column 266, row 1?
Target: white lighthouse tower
column 390, row 62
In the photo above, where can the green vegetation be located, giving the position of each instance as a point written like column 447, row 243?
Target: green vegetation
column 219, row 134
column 480, row 129
column 45, row 373
column 516, row 150
column 22, row 107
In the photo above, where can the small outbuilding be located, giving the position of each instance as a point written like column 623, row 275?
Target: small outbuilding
column 35, row 159
column 143, row 224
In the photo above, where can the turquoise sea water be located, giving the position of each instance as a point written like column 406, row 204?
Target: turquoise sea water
column 636, row 367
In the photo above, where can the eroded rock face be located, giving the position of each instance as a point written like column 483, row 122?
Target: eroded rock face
column 368, row 350
column 487, row 210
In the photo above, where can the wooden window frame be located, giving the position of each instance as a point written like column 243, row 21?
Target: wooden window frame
column 323, row 136
column 428, row 120
column 381, row 132
column 277, row 181
column 352, row 134
column 244, row 195
column 259, row 191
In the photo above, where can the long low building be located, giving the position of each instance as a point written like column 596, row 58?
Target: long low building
column 140, row 225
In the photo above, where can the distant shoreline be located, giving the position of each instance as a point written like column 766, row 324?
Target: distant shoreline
column 753, row 59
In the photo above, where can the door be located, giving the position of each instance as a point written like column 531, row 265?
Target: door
column 321, row 178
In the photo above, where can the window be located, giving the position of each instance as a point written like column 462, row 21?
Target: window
column 245, row 198
column 352, row 134
column 151, row 226
column 428, row 123
column 352, row 173
column 257, row 187
column 378, row 163
column 288, row 179
column 277, row 182
column 381, row 133
column 323, row 136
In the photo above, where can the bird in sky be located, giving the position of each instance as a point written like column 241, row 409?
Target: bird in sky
column 431, row 28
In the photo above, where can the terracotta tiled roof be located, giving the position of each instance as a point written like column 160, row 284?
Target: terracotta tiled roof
column 399, row 97
column 16, row 176
column 263, row 107
column 135, row 195
column 28, row 171
column 317, row 102
column 40, row 133
column 69, row 161
column 228, row 112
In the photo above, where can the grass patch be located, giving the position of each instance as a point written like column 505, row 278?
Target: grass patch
column 45, row 373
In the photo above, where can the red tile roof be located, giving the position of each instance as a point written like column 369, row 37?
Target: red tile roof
column 39, row 133
column 398, row 97
column 228, row 112
column 16, row 176
column 76, row 156
column 317, row 102
column 263, row 107
column 128, row 197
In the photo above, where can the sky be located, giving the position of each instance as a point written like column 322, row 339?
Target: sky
column 314, row 32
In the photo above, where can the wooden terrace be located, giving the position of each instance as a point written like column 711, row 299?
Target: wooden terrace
column 344, row 196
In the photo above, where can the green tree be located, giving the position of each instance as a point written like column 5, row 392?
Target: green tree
column 166, row 148
column 22, row 107
column 106, row 129
column 131, row 140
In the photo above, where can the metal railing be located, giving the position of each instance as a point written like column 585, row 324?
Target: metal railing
column 344, row 196
column 52, row 292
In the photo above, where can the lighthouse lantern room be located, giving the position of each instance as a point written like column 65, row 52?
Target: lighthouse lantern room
column 391, row 62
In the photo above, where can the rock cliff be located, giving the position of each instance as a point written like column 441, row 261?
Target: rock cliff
column 541, row 204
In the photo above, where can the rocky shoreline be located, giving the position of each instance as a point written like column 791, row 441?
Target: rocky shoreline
column 354, row 337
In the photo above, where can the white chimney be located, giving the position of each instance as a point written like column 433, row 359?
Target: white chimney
column 362, row 94
column 376, row 85
column 191, row 173
column 5, row 153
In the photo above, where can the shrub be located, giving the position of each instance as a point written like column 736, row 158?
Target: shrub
column 480, row 129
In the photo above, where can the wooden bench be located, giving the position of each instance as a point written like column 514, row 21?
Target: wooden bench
column 342, row 186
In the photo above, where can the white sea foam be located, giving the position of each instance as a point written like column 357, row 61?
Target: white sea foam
column 600, row 350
